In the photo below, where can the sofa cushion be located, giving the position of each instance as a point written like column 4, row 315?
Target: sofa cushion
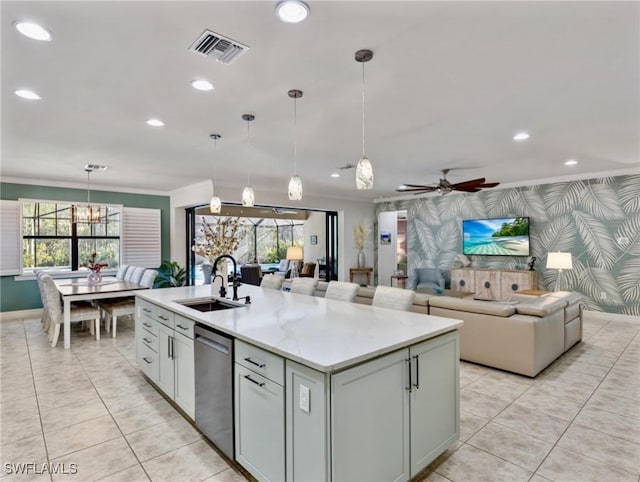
column 422, row 299
column 568, row 296
column 473, row 306
column 543, row 306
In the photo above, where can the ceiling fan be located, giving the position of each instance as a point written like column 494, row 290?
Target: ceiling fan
column 278, row 211
column 445, row 187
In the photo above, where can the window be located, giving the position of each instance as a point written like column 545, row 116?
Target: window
column 51, row 240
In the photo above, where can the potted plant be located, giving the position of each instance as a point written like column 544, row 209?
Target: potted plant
column 170, row 274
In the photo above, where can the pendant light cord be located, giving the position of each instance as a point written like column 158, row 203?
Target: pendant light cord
column 215, row 173
column 248, row 161
column 295, row 136
column 363, row 131
column 88, row 187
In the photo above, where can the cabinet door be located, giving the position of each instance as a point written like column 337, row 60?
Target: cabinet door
column 259, row 425
column 435, row 413
column 370, row 420
column 185, row 392
column 487, row 285
column 463, row 280
column 165, row 359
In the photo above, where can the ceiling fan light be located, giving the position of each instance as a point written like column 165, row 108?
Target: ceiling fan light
column 215, row 205
column 33, row 31
column 364, row 174
column 292, row 11
column 295, row 188
column 248, row 197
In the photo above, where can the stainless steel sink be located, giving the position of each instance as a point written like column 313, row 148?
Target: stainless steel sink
column 208, row 304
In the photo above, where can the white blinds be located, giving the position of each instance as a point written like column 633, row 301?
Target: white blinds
column 141, row 237
column 10, row 251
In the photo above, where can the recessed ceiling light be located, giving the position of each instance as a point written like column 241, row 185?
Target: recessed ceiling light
column 27, row 94
column 570, row 162
column 33, row 30
column 202, row 85
column 292, row 11
column 155, row 122
column 335, row 174
column 521, row 136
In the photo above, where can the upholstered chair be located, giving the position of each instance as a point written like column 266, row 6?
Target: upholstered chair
column 308, row 270
column 272, row 282
column 424, row 278
column 342, row 291
column 394, row 298
column 283, row 268
column 304, row 286
column 251, row 274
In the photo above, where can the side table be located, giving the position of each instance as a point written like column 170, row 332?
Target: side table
column 355, row 271
column 401, row 280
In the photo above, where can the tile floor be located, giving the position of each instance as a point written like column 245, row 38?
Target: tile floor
column 579, row 420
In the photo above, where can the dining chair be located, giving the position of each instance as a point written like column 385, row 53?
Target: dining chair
column 272, row 282
column 342, row 291
column 45, row 314
column 394, row 298
column 122, row 271
column 79, row 312
column 304, row 286
column 112, row 309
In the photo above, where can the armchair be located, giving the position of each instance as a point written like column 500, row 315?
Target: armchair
column 424, row 278
column 251, row 274
column 283, row 268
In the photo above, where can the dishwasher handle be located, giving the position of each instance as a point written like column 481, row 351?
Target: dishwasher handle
column 213, row 344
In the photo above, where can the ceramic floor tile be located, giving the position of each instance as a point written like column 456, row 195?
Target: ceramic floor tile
column 583, row 367
column 564, row 466
column 131, row 398
column 479, row 404
column 470, row 424
column 162, row 438
column 99, row 461
column 72, row 414
column 618, row 388
column 20, row 391
column 16, row 428
column 81, row 435
column 502, row 388
column 530, row 422
column 29, row 449
column 516, row 447
column 562, row 408
column 230, row 475
column 144, row 416
column 610, row 423
column 564, row 390
column 604, row 448
column 193, row 462
column 470, row 463
column 625, row 407
column 132, row 474
column 60, row 398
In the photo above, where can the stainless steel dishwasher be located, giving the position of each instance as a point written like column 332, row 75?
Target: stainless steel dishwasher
column 214, row 387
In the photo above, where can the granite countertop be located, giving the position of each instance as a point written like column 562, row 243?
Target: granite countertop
column 326, row 335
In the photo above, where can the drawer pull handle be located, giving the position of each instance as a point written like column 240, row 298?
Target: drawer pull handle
column 146, row 310
column 259, row 365
column 260, row 384
column 163, row 318
column 146, row 324
column 182, row 327
column 146, row 359
column 146, row 340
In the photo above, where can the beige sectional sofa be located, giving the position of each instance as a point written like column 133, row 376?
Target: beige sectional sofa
column 523, row 336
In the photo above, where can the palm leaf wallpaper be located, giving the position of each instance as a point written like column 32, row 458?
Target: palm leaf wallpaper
column 597, row 220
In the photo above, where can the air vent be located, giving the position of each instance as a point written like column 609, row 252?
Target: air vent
column 95, row 167
column 223, row 49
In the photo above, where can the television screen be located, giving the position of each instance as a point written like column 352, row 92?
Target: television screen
column 496, row 237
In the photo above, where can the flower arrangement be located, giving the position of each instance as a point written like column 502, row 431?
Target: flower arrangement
column 92, row 265
column 361, row 235
column 220, row 238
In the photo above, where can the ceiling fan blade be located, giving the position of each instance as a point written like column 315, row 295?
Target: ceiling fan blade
column 470, row 183
column 418, row 185
column 421, row 189
column 467, row 189
column 489, row 184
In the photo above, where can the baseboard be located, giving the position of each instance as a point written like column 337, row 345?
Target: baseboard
column 20, row 314
column 603, row 316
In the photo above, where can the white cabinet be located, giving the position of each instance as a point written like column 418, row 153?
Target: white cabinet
column 164, row 352
column 259, row 412
column 493, row 284
column 393, row 416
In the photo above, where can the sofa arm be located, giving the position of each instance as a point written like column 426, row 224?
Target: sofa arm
column 412, row 283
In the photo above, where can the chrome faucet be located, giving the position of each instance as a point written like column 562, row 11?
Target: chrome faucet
column 235, row 282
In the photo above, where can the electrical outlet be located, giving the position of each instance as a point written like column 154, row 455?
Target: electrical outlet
column 603, row 295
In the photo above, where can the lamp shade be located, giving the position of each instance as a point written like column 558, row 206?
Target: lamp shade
column 295, row 253
column 559, row 260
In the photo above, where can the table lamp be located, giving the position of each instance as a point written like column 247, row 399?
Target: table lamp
column 294, row 254
column 559, row 261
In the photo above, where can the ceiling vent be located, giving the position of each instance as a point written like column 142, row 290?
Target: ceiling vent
column 223, row 49
column 95, row 167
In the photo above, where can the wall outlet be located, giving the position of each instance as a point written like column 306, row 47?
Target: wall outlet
column 603, row 295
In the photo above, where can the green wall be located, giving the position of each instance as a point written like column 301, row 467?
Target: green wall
column 597, row 220
column 23, row 295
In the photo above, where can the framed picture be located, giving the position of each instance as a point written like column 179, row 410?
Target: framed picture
column 314, row 239
column 385, row 238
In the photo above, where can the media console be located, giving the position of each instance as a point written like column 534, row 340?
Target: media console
column 493, row 284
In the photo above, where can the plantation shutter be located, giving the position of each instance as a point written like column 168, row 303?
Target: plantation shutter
column 10, row 225
column 141, row 237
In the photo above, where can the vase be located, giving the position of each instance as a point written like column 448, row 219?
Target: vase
column 94, row 278
column 361, row 259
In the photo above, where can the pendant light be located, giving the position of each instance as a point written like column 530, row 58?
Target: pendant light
column 295, row 183
column 88, row 214
column 364, row 170
column 215, row 205
column 248, row 196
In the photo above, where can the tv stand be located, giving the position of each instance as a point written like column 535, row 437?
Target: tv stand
column 493, row 284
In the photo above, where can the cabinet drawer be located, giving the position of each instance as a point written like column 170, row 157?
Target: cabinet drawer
column 163, row 316
column 149, row 339
column 149, row 325
column 148, row 361
column 184, row 326
column 260, row 361
column 144, row 308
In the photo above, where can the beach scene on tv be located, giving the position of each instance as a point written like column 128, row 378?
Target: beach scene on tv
column 500, row 236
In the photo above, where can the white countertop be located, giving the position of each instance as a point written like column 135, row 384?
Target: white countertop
column 326, row 335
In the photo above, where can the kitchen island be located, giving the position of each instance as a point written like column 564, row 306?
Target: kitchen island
column 324, row 389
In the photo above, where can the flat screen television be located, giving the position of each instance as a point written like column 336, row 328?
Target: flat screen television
column 496, row 237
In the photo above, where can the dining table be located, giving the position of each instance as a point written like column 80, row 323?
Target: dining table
column 79, row 289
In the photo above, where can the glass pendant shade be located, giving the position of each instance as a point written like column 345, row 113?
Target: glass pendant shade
column 364, row 174
column 295, row 188
column 248, row 197
column 87, row 214
column 215, row 205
